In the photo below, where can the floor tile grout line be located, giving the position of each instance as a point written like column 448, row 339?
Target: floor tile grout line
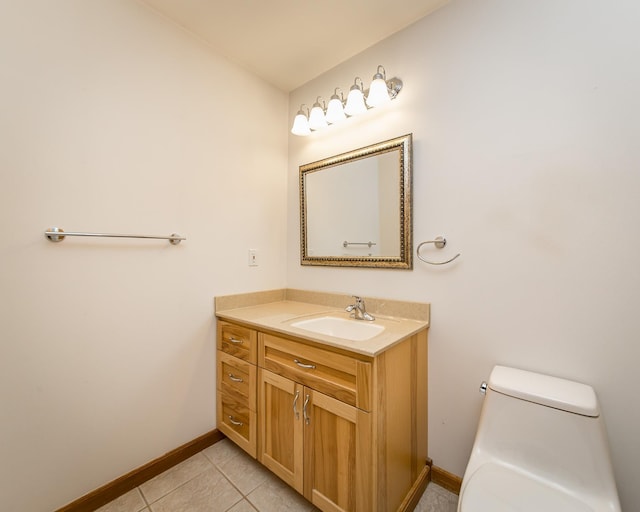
column 182, row 484
column 236, row 454
column 144, row 498
column 244, row 496
column 241, row 499
column 231, row 483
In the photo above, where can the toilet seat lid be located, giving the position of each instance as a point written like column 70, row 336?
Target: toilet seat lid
column 496, row 488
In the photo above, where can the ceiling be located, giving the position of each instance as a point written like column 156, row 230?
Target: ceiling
column 289, row 42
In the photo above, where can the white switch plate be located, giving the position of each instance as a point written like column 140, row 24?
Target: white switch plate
column 253, row 257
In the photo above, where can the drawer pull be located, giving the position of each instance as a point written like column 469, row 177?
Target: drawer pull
column 234, row 378
column 303, row 365
column 295, row 401
column 304, row 409
column 234, row 422
column 234, row 340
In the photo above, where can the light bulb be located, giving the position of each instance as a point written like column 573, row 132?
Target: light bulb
column 300, row 124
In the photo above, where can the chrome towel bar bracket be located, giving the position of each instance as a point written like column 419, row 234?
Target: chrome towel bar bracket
column 58, row 235
column 439, row 243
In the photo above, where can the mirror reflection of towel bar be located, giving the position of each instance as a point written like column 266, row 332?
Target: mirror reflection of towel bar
column 368, row 244
column 439, row 242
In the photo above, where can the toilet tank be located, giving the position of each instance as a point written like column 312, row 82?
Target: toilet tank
column 549, row 428
column 539, row 389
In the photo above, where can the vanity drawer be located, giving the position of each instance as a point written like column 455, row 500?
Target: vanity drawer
column 238, row 341
column 237, row 422
column 237, row 378
column 334, row 374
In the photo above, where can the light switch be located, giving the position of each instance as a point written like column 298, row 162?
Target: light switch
column 253, row 257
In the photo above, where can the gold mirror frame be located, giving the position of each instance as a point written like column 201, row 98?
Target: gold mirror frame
column 403, row 260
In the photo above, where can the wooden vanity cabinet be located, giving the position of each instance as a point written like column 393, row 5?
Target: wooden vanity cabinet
column 347, row 431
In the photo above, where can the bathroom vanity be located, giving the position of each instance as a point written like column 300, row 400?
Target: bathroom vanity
column 342, row 421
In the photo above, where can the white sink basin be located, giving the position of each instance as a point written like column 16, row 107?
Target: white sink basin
column 354, row 330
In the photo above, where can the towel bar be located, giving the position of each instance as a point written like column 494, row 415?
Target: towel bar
column 58, row 235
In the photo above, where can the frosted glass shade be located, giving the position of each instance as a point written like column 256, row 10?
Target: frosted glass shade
column 378, row 93
column 355, row 103
column 335, row 112
column 300, row 125
column 317, row 120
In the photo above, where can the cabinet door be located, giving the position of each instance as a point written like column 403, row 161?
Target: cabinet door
column 337, row 455
column 281, row 427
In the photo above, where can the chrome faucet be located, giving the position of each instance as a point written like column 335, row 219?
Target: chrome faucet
column 358, row 310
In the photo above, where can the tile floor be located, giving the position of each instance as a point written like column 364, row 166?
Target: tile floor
column 222, row 478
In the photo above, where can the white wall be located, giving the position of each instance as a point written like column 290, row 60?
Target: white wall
column 524, row 117
column 112, row 119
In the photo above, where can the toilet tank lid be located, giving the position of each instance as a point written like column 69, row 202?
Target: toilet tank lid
column 555, row 392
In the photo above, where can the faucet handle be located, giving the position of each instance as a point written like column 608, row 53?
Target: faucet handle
column 358, row 310
column 359, row 302
column 356, row 305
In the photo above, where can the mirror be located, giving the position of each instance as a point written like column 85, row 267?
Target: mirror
column 355, row 208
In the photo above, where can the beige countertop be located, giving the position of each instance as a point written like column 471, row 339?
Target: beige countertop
column 278, row 315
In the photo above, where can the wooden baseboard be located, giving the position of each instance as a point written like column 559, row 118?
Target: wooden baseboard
column 411, row 500
column 445, row 479
column 112, row 490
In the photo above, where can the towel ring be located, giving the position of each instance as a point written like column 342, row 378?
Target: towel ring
column 439, row 242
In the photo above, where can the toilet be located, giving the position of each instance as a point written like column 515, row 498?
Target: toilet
column 541, row 446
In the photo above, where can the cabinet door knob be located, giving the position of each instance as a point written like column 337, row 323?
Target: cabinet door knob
column 236, row 341
column 303, row 365
column 234, row 378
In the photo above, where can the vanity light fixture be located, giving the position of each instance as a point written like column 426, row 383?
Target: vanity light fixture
column 380, row 91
